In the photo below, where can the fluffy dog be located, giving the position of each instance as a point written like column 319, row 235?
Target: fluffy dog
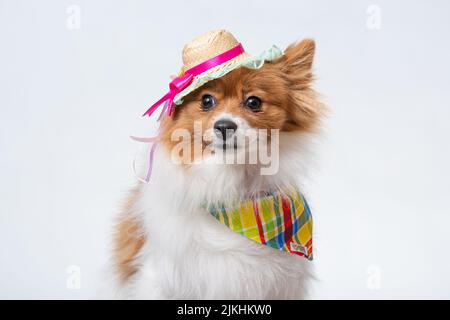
column 167, row 245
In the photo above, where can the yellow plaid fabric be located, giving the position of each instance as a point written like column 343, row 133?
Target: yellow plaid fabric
column 280, row 220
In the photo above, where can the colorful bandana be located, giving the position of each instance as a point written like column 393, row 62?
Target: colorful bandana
column 279, row 220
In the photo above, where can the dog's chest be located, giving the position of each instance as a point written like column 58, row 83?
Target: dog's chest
column 200, row 258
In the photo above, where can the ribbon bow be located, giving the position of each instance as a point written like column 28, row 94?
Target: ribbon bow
column 176, row 86
column 182, row 82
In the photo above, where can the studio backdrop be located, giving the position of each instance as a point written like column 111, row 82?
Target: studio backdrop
column 76, row 76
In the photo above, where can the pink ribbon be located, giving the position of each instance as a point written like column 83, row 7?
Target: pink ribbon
column 182, row 82
column 150, row 158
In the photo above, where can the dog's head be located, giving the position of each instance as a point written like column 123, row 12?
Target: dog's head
column 279, row 96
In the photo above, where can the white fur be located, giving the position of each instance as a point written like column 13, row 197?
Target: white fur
column 189, row 255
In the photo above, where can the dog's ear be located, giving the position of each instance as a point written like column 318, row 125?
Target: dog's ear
column 296, row 65
column 297, row 61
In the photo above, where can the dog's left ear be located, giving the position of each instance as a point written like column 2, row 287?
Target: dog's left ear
column 298, row 59
column 296, row 65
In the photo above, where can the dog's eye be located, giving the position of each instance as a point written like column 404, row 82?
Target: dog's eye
column 208, row 102
column 253, row 103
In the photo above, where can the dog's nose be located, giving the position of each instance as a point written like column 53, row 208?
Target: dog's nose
column 224, row 128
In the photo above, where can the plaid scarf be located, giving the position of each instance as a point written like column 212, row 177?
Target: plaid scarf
column 280, row 220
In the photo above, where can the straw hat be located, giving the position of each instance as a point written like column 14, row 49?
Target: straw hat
column 208, row 57
column 210, row 45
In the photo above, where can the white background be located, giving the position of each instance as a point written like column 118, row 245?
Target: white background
column 69, row 99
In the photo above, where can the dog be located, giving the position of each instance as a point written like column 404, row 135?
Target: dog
column 166, row 244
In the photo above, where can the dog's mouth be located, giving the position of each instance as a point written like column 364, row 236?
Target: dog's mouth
column 233, row 144
column 229, row 144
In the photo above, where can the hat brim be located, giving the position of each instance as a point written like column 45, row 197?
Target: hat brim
column 243, row 60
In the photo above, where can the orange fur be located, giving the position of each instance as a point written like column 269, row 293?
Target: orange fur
column 129, row 239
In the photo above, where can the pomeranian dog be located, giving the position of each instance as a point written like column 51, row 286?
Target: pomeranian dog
column 167, row 245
